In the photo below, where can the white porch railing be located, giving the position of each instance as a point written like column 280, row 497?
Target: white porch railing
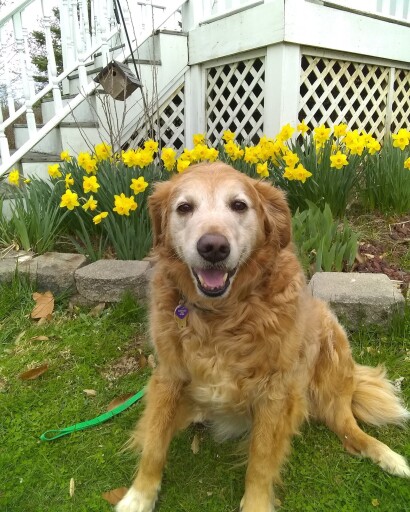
column 84, row 33
column 397, row 10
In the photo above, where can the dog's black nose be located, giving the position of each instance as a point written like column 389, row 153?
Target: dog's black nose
column 213, row 247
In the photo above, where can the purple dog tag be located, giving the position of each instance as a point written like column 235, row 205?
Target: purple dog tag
column 181, row 315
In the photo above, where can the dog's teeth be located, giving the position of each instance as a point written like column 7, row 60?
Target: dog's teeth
column 225, row 277
column 201, row 280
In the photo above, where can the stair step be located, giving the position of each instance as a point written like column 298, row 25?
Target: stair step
column 36, row 156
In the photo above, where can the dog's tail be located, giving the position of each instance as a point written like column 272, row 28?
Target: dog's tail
column 376, row 400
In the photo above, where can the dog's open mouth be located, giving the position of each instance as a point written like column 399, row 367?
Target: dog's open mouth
column 213, row 282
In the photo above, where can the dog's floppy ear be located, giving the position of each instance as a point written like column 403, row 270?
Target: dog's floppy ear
column 277, row 217
column 158, row 211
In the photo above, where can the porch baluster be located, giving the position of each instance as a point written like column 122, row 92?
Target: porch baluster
column 7, row 77
column 51, row 61
column 18, row 34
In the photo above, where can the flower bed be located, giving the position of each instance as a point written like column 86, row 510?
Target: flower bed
column 98, row 200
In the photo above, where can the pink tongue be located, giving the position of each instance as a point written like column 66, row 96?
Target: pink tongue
column 212, row 278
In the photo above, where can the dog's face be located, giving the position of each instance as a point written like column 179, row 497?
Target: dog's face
column 213, row 218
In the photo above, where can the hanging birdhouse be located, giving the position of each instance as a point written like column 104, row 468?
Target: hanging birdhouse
column 117, row 80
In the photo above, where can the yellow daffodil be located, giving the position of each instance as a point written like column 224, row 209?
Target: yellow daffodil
column 146, row 157
column 98, row 218
column 286, row 132
column 407, row 163
column 198, row 138
column 187, row 154
column 212, row 154
column 302, row 127
column 27, row 181
column 168, row 156
column 262, row 169
column 182, row 164
column 82, row 158
column 65, row 156
column 138, row 185
column 130, row 158
column 123, row 204
column 401, row 139
column 103, row 151
column 151, row 145
column 228, row 136
column 340, row 130
column 14, row 177
column 87, row 162
column 301, row 174
column 69, row 200
column 291, row 159
column 339, row 160
column 251, row 155
column 321, row 134
column 54, row 171
column 90, row 184
column 289, row 173
column 90, row 204
column 233, row 150
column 199, row 153
column 373, row 146
column 69, row 180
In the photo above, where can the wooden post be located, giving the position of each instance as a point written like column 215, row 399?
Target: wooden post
column 282, row 83
column 194, row 112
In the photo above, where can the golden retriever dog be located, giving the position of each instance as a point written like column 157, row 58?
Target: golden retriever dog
column 241, row 343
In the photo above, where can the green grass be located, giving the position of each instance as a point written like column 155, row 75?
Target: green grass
column 35, row 475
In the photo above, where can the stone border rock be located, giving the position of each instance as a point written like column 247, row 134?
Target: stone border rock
column 356, row 298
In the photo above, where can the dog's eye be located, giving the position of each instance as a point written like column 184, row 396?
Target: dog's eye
column 185, row 208
column 238, row 206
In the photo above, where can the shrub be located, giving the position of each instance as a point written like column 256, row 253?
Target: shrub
column 386, row 176
column 35, row 221
column 323, row 243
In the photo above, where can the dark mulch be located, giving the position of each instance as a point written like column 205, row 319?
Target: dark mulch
column 388, row 252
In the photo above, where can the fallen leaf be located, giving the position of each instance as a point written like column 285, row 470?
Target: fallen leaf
column 34, row 373
column 44, row 305
column 72, row 487
column 195, row 444
column 39, row 338
column 151, row 361
column 142, row 361
column 97, row 310
column 115, row 496
column 90, row 392
column 118, row 401
column 375, row 502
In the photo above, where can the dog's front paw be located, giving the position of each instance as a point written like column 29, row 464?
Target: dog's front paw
column 136, row 501
column 245, row 506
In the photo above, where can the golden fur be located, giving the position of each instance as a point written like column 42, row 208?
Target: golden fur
column 260, row 358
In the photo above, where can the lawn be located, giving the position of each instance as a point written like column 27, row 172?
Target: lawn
column 91, row 351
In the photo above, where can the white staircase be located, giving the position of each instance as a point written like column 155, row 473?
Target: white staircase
column 85, row 115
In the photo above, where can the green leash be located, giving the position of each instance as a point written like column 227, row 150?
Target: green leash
column 50, row 435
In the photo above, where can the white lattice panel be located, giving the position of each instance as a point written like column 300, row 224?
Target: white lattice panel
column 235, row 100
column 167, row 125
column 401, row 100
column 335, row 91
